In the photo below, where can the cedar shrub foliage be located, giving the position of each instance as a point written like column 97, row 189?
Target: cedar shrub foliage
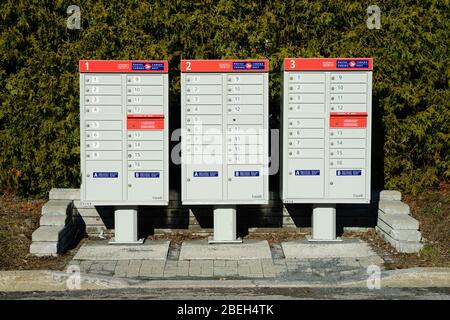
column 39, row 86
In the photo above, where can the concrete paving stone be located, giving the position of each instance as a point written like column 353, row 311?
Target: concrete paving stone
column 231, row 263
column 201, row 268
column 393, row 207
column 183, row 268
column 56, row 207
column 268, row 267
column 390, row 195
column 279, row 262
column 350, row 262
column 96, row 266
column 133, row 268
column 398, row 221
column 368, row 261
column 250, row 268
column 401, row 235
column 101, row 250
column 109, row 265
column 153, row 268
column 303, row 249
column 85, row 266
column 201, row 250
column 121, row 268
column 64, row 194
column 225, row 271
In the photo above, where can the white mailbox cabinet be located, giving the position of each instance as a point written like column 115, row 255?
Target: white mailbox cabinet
column 124, row 139
column 124, row 132
column 326, row 130
column 224, row 121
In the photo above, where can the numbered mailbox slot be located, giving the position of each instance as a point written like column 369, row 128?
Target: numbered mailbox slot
column 96, row 111
column 145, row 145
column 306, row 123
column 306, row 133
column 102, row 79
column 234, row 149
column 238, row 139
column 347, row 143
column 138, row 135
column 203, row 89
column 204, row 129
column 348, row 107
column 307, row 87
column 245, row 182
column 145, row 100
column 204, row 181
column 207, row 79
column 347, row 183
column 305, row 177
column 306, row 98
column 245, row 109
column 347, row 163
column 103, row 155
column 306, row 153
column 154, row 79
column 204, row 109
column 203, row 99
column 145, row 165
column 306, row 143
column 245, row 89
column 245, row 79
column 104, row 145
column 307, row 108
column 348, row 88
column 103, row 135
column 103, row 100
column 347, row 153
column 246, row 119
column 306, row 77
column 340, row 133
column 245, row 99
column 346, row 77
column 102, row 90
column 348, row 98
column 145, row 90
column 204, row 119
column 154, row 110
column 103, row 125
column 253, row 129
column 245, row 159
column 145, row 155
column 203, row 139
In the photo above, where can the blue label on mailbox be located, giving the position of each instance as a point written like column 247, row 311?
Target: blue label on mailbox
column 146, row 174
column 248, row 65
column 348, row 172
column 352, row 64
column 204, row 174
column 105, row 175
column 307, row 172
column 246, row 173
column 147, row 66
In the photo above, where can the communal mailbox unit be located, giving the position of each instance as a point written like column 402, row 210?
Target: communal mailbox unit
column 224, row 121
column 124, row 138
column 326, row 136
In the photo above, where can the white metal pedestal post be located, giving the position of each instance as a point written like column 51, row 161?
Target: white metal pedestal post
column 324, row 223
column 126, row 226
column 225, row 225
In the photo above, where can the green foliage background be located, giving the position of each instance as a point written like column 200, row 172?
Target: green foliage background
column 39, row 123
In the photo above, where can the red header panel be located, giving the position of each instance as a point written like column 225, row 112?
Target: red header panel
column 225, row 65
column 348, row 122
column 145, row 123
column 302, row 64
column 124, row 66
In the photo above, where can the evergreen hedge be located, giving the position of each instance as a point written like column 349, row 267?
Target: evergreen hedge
column 39, row 121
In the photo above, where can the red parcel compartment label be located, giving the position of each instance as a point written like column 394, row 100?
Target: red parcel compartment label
column 145, row 123
column 347, row 121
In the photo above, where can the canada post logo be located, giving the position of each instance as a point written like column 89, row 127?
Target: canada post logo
column 147, row 66
column 249, row 65
column 351, row 64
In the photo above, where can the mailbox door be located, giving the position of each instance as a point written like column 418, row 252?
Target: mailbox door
column 245, row 182
column 145, row 185
column 104, row 180
column 347, row 183
column 203, row 182
column 305, row 178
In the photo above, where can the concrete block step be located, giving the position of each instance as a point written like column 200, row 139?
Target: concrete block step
column 401, row 246
column 390, row 195
column 401, row 235
column 64, row 194
column 57, row 207
column 50, row 233
column 393, row 207
column 42, row 249
column 398, row 221
column 53, row 220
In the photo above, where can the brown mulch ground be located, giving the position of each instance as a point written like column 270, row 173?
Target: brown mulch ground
column 19, row 218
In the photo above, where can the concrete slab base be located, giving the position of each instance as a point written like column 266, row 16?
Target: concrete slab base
column 201, row 249
column 114, row 242
column 212, row 241
column 101, row 250
column 303, row 249
column 311, row 239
